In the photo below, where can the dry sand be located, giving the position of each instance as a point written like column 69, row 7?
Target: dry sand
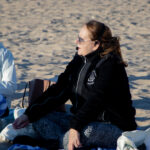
column 41, row 35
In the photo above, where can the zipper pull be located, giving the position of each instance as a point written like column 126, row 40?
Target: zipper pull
column 85, row 60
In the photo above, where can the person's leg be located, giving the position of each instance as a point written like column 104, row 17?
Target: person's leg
column 100, row 134
column 97, row 134
column 52, row 126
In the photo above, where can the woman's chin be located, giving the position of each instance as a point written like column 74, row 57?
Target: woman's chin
column 80, row 52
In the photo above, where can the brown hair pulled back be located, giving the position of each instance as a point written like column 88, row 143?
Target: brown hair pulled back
column 100, row 32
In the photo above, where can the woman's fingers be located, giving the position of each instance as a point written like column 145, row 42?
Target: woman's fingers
column 22, row 125
column 75, row 144
column 74, row 139
column 70, row 146
column 78, row 144
column 21, row 122
column 16, row 122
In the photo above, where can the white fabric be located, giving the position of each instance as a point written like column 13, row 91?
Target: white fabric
column 132, row 139
column 147, row 142
column 9, row 133
column 7, row 72
column 18, row 112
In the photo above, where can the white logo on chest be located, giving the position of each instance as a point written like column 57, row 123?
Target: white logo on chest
column 92, row 78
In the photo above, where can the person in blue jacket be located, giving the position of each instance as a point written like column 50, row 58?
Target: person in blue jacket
column 97, row 84
column 7, row 78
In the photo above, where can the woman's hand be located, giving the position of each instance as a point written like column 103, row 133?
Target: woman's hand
column 21, row 122
column 74, row 139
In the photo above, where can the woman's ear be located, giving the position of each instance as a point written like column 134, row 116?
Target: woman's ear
column 96, row 45
column 96, row 42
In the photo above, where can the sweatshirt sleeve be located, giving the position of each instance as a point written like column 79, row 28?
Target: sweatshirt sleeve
column 95, row 99
column 55, row 96
column 8, row 73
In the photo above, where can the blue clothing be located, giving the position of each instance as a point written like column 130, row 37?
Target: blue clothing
column 24, row 147
column 55, row 125
column 3, row 105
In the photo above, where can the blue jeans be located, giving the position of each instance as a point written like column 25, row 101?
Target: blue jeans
column 56, row 125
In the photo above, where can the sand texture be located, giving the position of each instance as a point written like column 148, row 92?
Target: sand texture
column 41, row 35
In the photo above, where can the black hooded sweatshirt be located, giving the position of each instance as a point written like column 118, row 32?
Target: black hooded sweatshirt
column 98, row 89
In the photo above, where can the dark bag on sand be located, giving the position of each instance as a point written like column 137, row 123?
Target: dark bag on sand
column 36, row 88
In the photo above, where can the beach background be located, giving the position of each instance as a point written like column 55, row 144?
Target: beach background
column 41, row 35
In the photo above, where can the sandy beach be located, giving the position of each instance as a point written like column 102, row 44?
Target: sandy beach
column 41, row 35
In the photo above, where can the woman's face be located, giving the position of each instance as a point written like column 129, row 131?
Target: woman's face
column 84, row 43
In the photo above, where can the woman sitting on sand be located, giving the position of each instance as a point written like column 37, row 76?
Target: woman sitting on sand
column 96, row 83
